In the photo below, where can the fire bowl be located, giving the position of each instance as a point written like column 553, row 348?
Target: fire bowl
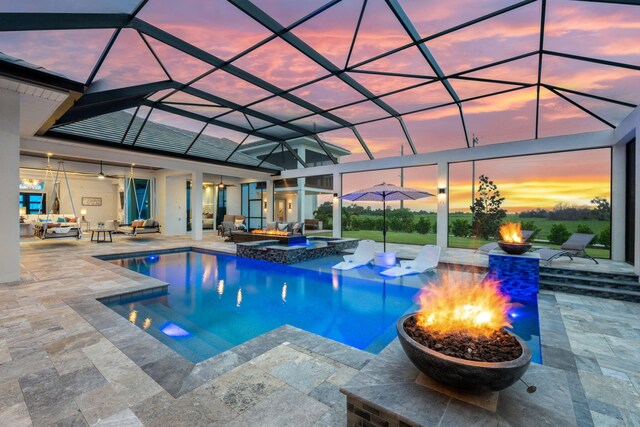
column 460, row 374
column 514, row 248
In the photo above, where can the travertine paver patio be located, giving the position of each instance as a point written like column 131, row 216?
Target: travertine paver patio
column 56, row 368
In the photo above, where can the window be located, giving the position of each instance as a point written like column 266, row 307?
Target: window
column 33, row 202
column 254, row 204
column 138, row 199
column 222, row 205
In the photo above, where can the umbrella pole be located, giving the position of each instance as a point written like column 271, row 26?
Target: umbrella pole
column 384, row 225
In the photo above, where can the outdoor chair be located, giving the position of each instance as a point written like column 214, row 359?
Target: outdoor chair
column 574, row 247
column 427, row 259
column 363, row 255
column 488, row 247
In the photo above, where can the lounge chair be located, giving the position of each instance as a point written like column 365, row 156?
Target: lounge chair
column 486, row 248
column 363, row 255
column 426, row 259
column 574, row 247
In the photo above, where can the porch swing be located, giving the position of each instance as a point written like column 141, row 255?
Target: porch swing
column 48, row 229
column 139, row 225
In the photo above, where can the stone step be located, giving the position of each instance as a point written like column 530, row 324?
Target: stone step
column 592, row 274
column 604, row 282
column 596, row 291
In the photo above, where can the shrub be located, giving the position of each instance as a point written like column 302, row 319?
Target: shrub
column 558, row 234
column 423, row 226
column 584, row 228
column 435, row 226
column 531, row 226
column 604, row 238
column 460, row 228
column 408, row 226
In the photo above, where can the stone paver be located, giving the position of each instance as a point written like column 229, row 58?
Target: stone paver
column 56, row 367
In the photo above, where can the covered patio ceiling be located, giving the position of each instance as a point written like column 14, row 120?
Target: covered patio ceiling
column 375, row 77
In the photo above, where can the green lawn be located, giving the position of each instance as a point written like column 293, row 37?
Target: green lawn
column 454, row 242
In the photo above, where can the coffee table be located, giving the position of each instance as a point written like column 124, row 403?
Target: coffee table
column 104, row 231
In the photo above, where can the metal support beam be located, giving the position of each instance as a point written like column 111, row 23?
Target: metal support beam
column 20, row 21
column 204, row 56
column 411, row 30
column 593, row 60
column 540, row 48
column 268, row 22
column 361, row 141
column 589, row 112
column 407, row 134
column 589, row 95
column 103, row 56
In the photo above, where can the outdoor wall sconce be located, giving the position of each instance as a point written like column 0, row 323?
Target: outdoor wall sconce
column 442, row 190
column 289, row 205
column 335, row 195
column 265, row 205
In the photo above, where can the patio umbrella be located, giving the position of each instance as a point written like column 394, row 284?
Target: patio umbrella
column 382, row 193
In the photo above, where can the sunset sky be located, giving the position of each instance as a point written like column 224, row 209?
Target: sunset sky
column 589, row 29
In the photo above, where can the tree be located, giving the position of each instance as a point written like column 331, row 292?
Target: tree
column 558, row 234
column 487, row 211
column 603, row 208
column 324, row 213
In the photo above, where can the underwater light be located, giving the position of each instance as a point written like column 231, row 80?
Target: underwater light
column 173, row 330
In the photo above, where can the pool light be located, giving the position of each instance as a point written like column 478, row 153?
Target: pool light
column 172, row 330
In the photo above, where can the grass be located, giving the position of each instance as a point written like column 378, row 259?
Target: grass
column 454, row 242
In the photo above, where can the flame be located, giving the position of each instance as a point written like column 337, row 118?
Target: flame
column 270, row 232
column 456, row 305
column 511, row 232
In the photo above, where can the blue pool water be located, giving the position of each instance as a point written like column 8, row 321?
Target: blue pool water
column 215, row 302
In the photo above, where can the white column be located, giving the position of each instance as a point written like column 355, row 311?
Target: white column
column 337, row 205
column 269, row 213
column 302, row 152
column 443, row 205
column 618, row 201
column 636, row 261
column 196, row 205
column 9, row 181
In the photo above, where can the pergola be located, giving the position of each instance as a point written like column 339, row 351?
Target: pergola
column 395, row 65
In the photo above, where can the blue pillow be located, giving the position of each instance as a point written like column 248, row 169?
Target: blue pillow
column 62, row 219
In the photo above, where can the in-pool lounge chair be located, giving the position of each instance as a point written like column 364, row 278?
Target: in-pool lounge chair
column 363, row 255
column 427, row 259
column 486, row 248
column 574, row 247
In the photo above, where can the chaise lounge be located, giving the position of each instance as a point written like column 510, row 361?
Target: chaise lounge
column 363, row 255
column 574, row 247
column 427, row 259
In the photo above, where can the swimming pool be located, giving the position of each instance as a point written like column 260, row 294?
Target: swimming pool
column 217, row 301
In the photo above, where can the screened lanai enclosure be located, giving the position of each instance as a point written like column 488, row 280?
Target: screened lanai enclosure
column 367, row 76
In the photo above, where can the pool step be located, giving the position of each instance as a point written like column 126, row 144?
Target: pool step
column 186, row 349
column 618, row 286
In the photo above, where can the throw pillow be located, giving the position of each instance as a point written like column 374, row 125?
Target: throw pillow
column 238, row 223
column 148, row 223
column 271, row 226
column 62, row 219
column 283, row 226
column 72, row 219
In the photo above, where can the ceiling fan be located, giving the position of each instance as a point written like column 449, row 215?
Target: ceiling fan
column 223, row 185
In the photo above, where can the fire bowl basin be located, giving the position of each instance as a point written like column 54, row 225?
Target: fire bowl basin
column 514, row 248
column 460, row 374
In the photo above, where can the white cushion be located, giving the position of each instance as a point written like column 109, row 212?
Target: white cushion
column 283, row 226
